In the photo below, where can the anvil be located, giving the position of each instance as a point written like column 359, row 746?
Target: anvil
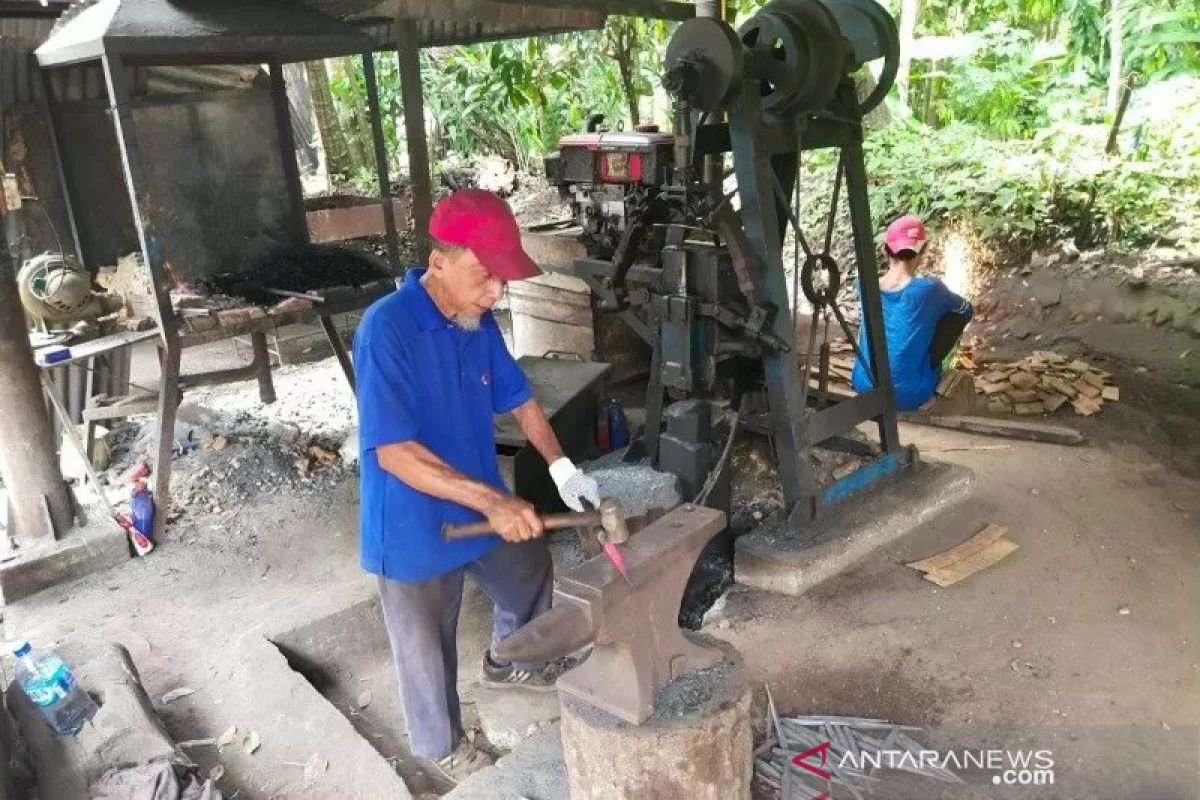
column 634, row 624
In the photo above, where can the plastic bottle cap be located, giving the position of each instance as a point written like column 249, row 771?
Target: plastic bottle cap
column 21, row 649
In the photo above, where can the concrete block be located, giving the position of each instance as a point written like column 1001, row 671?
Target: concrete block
column 80, row 553
column 789, row 562
column 535, row 768
column 125, row 731
column 510, row 716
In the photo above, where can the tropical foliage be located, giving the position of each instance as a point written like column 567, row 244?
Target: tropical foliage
column 1010, row 133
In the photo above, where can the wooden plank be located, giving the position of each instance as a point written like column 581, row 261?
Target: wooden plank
column 1021, row 395
column 1087, row 389
column 1059, row 385
column 969, row 566
column 980, row 541
column 105, row 344
column 1111, row 393
column 1093, row 378
column 1087, row 406
column 1028, row 430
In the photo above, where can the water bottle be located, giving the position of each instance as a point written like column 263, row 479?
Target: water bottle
column 51, row 687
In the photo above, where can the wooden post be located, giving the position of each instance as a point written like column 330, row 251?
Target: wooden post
column 381, row 160
column 408, row 52
column 701, row 751
column 287, row 152
column 37, row 495
column 170, row 348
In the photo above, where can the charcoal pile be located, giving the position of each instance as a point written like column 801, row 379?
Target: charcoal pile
column 303, row 268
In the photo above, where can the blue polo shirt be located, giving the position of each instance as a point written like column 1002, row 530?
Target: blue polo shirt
column 421, row 378
column 910, row 315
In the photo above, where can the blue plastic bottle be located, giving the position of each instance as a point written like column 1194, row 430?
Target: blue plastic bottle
column 618, row 425
column 141, row 510
column 51, row 687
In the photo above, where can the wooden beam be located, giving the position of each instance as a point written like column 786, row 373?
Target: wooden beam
column 408, row 53
column 381, row 161
column 287, row 153
column 649, row 9
column 1006, row 428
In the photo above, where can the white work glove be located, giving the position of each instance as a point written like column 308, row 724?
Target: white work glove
column 573, row 484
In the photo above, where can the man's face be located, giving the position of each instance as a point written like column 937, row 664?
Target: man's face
column 472, row 289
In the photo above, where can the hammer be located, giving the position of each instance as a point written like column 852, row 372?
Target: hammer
column 608, row 517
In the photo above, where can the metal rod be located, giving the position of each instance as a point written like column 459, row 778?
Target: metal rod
column 381, row 160
column 782, row 197
column 127, row 145
column 316, row 298
column 833, row 204
column 56, row 144
column 339, row 350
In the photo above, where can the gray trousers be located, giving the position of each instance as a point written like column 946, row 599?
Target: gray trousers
column 422, row 624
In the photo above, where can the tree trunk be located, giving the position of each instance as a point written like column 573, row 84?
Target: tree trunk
column 624, row 50
column 329, row 127
column 630, row 91
column 908, row 27
column 1116, row 54
column 697, row 747
column 354, row 117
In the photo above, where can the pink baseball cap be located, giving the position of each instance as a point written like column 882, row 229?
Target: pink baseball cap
column 483, row 223
column 906, row 233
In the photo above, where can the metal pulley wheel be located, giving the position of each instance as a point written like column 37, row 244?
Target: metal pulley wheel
column 826, row 294
column 704, row 63
column 798, row 54
column 872, row 34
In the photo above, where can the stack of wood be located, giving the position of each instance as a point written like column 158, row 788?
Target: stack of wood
column 1043, row 382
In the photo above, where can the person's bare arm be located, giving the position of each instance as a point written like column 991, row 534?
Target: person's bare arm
column 534, row 424
column 412, row 462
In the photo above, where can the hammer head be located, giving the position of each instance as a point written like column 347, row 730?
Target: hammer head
column 612, row 520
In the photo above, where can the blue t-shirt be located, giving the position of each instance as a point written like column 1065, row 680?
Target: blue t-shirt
column 910, row 316
column 421, row 378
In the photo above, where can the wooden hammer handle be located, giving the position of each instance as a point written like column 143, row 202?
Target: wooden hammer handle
column 550, row 522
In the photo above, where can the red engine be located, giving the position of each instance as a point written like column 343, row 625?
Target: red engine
column 607, row 176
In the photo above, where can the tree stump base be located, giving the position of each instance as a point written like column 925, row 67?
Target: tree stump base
column 697, row 745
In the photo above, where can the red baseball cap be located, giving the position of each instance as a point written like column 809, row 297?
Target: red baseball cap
column 483, row 223
column 906, row 233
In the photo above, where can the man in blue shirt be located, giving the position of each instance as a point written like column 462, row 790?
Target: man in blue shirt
column 922, row 319
column 432, row 369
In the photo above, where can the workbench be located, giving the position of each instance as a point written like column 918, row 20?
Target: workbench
column 570, row 392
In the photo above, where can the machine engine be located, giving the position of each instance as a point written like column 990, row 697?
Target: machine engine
column 608, row 177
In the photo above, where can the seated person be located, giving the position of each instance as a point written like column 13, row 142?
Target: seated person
column 922, row 319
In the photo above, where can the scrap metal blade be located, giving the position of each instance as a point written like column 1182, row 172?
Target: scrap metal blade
column 618, row 560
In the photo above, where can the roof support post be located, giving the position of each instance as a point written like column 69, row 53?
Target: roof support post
column 381, row 159
column 408, row 52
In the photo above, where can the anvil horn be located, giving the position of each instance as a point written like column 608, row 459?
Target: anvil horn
column 563, row 629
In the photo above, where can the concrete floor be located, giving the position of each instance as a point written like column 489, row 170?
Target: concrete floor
column 1035, row 644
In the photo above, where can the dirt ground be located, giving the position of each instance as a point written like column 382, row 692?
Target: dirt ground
column 1084, row 640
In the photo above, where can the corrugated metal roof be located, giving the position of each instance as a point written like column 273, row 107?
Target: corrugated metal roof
column 213, row 31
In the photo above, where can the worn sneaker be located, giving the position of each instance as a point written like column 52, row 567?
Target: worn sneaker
column 466, row 759
column 509, row 677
